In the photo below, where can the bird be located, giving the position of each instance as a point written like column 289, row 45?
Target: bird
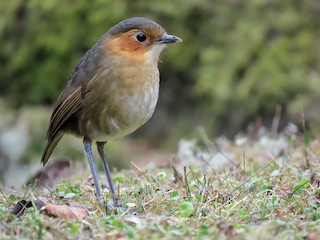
column 111, row 92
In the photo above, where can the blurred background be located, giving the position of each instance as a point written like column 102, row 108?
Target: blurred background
column 240, row 61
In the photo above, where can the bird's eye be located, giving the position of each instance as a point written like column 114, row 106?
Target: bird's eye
column 141, row 37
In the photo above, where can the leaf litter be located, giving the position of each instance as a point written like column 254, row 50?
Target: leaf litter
column 264, row 188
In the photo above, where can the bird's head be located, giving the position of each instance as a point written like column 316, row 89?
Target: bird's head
column 138, row 38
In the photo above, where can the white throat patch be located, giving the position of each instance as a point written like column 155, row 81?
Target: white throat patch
column 154, row 52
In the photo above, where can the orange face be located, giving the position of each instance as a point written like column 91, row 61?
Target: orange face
column 134, row 43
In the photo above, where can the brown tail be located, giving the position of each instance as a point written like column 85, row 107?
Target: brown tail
column 51, row 144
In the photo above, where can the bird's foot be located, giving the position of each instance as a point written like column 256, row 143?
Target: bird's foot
column 116, row 203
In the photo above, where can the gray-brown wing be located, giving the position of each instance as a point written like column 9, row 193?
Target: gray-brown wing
column 62, row 112
column 70, row 100
column 69, row 105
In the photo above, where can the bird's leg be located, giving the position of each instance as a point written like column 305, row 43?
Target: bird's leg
column 87, row 147
column 100, row 147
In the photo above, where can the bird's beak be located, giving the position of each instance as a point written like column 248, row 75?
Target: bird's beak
column 167, row 38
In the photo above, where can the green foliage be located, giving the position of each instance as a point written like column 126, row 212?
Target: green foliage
column 68, row 190
column 239, row 58
column 304, row 183
column 187, row 209
column 161, row 176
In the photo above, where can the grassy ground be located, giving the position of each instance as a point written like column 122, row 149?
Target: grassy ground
column 266, row 189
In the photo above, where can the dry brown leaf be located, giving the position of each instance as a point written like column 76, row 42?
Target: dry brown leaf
column 65, row 211
column 22, row 205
